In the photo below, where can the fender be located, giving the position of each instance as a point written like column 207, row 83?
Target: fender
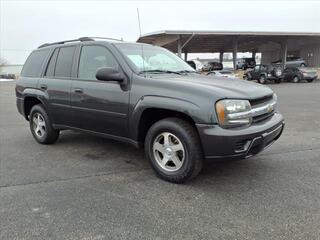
column 162, row 102
column 40, row 95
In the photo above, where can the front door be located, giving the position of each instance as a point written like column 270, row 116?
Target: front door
column 98, row 106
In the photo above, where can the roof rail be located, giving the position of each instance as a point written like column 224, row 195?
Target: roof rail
column 106, row 38
column 82, row 39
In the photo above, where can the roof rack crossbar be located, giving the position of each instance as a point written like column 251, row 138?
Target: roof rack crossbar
column 82, row 39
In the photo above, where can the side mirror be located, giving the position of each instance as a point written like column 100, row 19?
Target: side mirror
column 109, row 74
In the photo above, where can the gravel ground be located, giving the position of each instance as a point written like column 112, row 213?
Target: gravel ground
column 85, row 187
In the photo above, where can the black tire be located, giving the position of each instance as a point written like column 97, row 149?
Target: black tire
column 48, row 134
column 303, row 65
column 295, row 79
column 187, row 135
column 262, row 79
column 310, row 80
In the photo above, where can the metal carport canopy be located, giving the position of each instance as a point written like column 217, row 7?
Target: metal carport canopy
column 225, row 41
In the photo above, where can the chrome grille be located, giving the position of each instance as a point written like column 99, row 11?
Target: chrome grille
column 263, row 103
column 261, row 109
column 261, row 100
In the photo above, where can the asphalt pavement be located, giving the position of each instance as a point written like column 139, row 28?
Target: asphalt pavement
column 90, row 188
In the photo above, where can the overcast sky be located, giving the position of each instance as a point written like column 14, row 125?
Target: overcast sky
column 27, row 24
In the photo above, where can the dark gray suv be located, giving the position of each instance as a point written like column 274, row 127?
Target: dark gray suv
column 146, row 96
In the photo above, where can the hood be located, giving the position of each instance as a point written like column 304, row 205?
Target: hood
column 222, row 87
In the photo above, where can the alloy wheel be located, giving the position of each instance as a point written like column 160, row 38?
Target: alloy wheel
column 39, row 125
column 168, row 151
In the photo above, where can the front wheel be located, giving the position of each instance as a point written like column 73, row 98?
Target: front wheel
column 173, row 148
column 295, row 79
column 41, row 126
column 262, row 79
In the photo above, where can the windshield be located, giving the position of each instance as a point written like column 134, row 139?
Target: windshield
column 148, row 58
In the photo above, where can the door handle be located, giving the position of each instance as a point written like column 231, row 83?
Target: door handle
column 78, row 90
column 44, row 86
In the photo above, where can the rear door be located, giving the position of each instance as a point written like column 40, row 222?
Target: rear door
column 98, row 106
column 56, row 83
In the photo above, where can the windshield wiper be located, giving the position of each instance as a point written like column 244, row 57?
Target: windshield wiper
column 159, row 71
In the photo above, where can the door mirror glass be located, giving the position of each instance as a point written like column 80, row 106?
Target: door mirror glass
column 109, row 74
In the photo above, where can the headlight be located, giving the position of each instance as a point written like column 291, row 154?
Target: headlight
column 275, row 100
column 275, row 97
column 232, row 112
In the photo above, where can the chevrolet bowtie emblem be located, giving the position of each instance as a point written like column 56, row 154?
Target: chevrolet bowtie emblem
column 269, row 108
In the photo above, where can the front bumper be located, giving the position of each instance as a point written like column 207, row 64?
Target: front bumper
column 244, row 142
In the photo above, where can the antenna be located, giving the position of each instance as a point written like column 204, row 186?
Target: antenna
column 142, row 54
column 139, row 21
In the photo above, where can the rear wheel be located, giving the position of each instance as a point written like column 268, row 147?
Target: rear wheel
column 262, row 79
column 310, row 80
column 173, row 148
column 302, row 65
column 295, row 79
column 41, row 126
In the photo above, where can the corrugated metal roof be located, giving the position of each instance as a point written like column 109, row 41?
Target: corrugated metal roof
column 216, row 41
column 254, row 33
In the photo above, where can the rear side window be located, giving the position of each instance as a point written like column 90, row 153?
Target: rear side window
column 52, row 63
column 92, row 58
column 33, row 65
column 64, row 62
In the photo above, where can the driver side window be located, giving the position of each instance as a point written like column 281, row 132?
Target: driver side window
column 92, row 58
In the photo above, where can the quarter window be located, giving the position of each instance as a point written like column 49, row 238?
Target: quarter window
column 33, row 65
column 92, row 58
column 64, row 62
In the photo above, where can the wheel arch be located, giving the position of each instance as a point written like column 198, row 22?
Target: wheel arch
column 29, row 102
column 33, row 97
column 152, row 109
